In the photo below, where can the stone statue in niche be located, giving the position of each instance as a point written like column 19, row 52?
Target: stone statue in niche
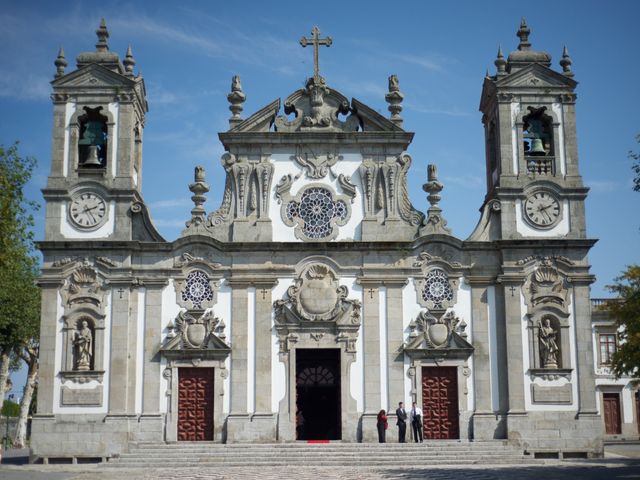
column 548, row 344
column 82, row 342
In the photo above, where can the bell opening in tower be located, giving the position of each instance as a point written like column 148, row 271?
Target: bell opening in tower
column 92, row 145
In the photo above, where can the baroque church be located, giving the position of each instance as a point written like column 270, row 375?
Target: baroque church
column 316, row 294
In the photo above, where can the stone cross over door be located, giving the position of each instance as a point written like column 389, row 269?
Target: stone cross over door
column 440, row 403
column 195, row 404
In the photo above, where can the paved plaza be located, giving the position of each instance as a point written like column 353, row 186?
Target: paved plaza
column 621, row 462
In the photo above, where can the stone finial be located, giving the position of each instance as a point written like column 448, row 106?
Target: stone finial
column 103, row 35
column 236, row 98
column 523, row 34
column 500, row 63
column 565, row 63
column 394, row 99
column 129, row 62
column 435, row 222
column 199, row 187
column 60, row 63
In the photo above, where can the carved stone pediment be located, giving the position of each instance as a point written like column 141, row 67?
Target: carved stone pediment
column 317, row 303
column 546, row 288
column 196, row 333
column 441, row 336
column 84, row 287
column 316, row 108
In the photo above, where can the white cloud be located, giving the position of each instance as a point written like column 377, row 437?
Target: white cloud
column 170, row 222
column 467, row 181
column 602, row 186
column 24, row 87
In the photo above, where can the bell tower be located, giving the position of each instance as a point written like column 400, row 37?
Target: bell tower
column 96, row 165
column 531, row 153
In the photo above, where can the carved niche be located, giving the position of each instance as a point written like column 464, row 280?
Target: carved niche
column 385, row 188
column 316, row 303
column 83, row 296
column 546, row 294
column 316, row 107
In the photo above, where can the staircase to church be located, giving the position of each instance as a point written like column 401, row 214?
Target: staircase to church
column 429, row 453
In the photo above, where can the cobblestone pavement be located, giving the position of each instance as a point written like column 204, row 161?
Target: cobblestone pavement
column 591, row 470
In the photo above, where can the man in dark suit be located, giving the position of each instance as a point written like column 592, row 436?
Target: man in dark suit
column 401, row 414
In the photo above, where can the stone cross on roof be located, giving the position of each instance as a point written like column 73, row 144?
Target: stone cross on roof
column 316, row 41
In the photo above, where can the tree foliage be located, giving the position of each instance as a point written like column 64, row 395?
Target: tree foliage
column 625, row 309
column 10, row 409
column 635, row 157
column 19, row 294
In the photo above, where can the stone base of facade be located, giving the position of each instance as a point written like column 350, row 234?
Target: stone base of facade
column 489, row 426
column 564, row 433
column 94, row 436
column 256, row 428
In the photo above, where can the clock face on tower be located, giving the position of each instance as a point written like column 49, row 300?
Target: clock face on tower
column 88, row 210
column 542, row 209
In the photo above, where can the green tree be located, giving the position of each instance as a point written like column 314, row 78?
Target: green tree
column 19, row 294
column 635, row 157
column 625, row 309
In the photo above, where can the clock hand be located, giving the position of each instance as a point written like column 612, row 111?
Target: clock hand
column 88, row 212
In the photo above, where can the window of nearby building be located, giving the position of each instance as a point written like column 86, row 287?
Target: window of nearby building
column 607, row 343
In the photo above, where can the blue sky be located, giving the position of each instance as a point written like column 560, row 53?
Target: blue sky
column 188, row 51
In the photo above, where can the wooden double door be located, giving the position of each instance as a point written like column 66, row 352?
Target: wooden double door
column 195, row 404
column 440, row 403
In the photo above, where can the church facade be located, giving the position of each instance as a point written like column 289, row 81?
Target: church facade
column 316, row 294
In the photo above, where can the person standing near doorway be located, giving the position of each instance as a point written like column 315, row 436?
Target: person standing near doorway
column 382, row 425
column 401, row 414
column 416, row 422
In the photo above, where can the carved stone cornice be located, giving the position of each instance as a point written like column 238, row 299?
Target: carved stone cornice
column 386, row 281
column 246, row 282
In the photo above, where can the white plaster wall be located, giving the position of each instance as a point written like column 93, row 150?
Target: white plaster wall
column 559, row 230
column 142, row 297
column 410, row 310
column 68, row 230
column 69, row 110
column 170, row 310
column 251, row 349
column 278, row 372
column 463, row 311
column 384, row 361
column 529, row 406
column 515, row 111
column 357, row 367
column 557, row 109
column 57, row 383
column 222, row 310
column 114, row 109
column 348, row 166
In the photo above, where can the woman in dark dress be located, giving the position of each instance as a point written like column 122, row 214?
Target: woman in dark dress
column 382, row 425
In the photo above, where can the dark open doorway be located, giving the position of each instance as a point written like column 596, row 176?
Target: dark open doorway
column 318, row 394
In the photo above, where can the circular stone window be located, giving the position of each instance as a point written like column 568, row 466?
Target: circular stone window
column 437, row 288
column 316, row 211
column 197, row 289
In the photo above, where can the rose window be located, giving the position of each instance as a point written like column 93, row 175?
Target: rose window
column 197, row 289
column 316, row 210
column 437, row 288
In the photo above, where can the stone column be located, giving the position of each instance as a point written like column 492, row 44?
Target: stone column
column 239, row 359
column 584, row 373
column 48, row 328
column 395, row 355
column 481, row 343
column 263, row 346
column 120, row 384
column 371, row 357
column 513, row 340
column 152, row 343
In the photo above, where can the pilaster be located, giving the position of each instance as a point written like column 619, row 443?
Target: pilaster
column 152, row 343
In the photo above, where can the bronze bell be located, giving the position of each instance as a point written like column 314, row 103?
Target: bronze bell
column 92, row 158
column 537, row 147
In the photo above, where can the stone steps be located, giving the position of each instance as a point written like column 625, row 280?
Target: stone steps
column 199, row 454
